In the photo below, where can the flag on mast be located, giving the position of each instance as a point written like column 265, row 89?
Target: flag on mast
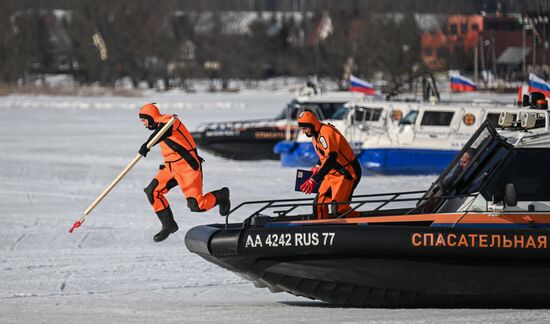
column 462, row 84
column 538, row 84
column 358, row 85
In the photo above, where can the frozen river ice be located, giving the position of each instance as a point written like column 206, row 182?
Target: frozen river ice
column 59, row 153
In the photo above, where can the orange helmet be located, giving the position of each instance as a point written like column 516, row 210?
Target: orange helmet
column 151, row 113
column 308, row 119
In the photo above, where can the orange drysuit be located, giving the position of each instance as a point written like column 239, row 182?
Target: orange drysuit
column 182, row 165
column 338, row 169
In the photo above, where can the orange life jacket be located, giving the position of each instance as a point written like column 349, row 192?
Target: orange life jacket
column 180, row 144
column 328, row 139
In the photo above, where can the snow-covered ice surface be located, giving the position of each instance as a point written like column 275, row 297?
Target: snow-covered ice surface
column 59, row 153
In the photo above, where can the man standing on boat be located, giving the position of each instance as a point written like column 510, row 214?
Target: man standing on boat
column 338, row 168
column 182, row 167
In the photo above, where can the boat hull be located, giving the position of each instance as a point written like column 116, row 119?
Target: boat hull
column 380, row 266
column 248, row 144
column 388, row 161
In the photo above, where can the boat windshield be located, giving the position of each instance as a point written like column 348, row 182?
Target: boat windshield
column 340, row 114
column 327, row 109
column 290, row 111
column 471, row 168
column 410, row 118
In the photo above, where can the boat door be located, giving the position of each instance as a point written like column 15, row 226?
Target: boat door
column 404, row 134
column 359, row 120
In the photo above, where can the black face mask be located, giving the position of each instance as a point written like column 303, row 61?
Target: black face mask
column 151, row 125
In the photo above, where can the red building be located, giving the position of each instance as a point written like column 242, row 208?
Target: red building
column 490, row 35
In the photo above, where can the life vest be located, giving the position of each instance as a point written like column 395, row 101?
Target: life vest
column 326, row 138
column 179, row 144
column 329, row 139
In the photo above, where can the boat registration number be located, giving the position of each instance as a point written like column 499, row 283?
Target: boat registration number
column 289, row 239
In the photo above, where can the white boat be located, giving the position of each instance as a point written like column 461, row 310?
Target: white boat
column 424, row 141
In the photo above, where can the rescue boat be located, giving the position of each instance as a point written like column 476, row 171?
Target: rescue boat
column 254, row 139
column 478, row 237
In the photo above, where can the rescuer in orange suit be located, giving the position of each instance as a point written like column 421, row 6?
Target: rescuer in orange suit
column 182, row 167
column 338, row 169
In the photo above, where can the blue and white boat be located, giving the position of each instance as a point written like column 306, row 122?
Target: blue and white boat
column 424, row 141
column 354, row 120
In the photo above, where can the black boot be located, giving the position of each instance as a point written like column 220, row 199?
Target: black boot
column 169, row 226
column 222, row 199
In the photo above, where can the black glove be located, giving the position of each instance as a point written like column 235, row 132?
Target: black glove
column 143, row 150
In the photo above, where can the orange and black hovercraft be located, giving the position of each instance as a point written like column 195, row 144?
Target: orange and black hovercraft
column 478, row 237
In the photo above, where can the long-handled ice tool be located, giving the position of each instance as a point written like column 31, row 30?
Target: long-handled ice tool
column 121, row 175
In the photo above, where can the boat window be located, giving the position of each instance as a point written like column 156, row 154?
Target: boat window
column 367, row 114
column 437, row 118
column 482, row 169
column 468, row 161
column 340, row 114
column 410, row 118
column 291, row 110
column 375, row 114
column 325, row 107
column 328, row 109
column 294, row 108
column 335, row 107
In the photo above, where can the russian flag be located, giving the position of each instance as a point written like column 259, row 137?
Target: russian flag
column 462, row 84
column 537, row 84
column 358, row 85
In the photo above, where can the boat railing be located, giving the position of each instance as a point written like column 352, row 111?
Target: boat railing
column 283, row 207
column 290, row 205
column 237, row 124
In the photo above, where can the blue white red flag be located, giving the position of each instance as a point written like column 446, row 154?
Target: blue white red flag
column 358, row 85
column 462, row 84
column 537, row 84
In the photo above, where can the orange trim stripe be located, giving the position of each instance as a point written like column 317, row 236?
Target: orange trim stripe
column 461, row 218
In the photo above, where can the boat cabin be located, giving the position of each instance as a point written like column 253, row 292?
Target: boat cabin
column 444, row 126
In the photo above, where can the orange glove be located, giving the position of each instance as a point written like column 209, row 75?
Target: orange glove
column 307, row 187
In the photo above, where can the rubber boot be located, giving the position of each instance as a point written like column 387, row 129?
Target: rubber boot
column 222, row 199
column 169, row 226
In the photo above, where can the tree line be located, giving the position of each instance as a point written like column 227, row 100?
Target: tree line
column 172, row 41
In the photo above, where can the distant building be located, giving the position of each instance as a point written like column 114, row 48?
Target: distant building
column 504, row 43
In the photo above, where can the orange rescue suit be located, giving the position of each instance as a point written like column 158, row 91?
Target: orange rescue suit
column 339, row 169
column 182, row 166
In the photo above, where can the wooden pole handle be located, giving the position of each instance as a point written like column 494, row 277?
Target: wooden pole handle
column 126, row 170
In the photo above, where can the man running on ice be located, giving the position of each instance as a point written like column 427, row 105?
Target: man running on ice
column 182, row 167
